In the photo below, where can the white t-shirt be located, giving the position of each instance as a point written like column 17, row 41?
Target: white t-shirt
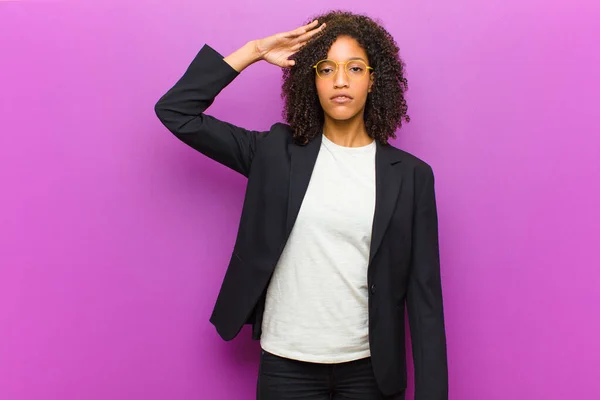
column 316, row 305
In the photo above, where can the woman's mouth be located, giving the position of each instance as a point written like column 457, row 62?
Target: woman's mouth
column 341, row 99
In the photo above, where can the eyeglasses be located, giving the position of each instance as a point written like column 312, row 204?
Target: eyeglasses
column 355, row 69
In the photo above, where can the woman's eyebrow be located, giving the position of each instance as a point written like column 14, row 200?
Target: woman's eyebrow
column 354, row 58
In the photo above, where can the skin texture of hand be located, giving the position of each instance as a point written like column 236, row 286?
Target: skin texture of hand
column 276, row 49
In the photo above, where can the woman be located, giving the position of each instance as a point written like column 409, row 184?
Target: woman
column 338, row 229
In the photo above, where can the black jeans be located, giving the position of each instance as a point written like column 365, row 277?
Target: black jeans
column 284, row 379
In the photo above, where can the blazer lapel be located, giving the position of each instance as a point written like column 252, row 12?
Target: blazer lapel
column 302, row 163
column 388, row 182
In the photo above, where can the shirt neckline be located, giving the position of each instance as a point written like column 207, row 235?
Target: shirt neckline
column 359, row 149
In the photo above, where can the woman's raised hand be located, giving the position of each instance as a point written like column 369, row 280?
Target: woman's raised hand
column 277, row 48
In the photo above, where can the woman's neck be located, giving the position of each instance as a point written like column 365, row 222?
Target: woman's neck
column 348, row 133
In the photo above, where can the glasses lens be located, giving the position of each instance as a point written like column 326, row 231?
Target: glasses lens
column 356, row 69
column 326, row 68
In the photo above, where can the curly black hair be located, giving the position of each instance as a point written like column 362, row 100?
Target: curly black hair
column 385, row 107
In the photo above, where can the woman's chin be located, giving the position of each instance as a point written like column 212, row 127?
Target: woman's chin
column 341, row 115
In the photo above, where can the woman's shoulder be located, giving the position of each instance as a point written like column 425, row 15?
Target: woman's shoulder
column 282, row 134
column 411, row 160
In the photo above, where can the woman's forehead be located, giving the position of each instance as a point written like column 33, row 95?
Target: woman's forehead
column 346, row 48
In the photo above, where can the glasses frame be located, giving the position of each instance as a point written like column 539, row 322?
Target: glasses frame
column 337, row 68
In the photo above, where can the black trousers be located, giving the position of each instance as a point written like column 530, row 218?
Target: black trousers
column 284, row 379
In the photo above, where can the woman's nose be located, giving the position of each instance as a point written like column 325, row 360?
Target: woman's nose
column 340, row 78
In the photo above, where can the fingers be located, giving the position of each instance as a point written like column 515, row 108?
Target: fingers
column 301, row 30
column 302, row 40
column 304, row 37
column 307, row 27
column 313, row 23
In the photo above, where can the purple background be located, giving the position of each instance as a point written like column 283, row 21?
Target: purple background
column 115, row 236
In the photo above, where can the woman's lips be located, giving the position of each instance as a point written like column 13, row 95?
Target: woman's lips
column 341, row 99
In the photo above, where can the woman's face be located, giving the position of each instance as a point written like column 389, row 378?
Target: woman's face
column 356, row 89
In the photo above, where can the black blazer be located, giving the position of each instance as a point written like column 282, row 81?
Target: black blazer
column 404, row 256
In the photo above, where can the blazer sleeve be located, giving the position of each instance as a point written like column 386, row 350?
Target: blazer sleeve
column 424, row 296
column 181, row 111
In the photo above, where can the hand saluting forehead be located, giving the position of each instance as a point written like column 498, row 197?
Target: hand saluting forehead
column 277, row 48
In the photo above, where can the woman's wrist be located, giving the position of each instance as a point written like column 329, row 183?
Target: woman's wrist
column 244, row 56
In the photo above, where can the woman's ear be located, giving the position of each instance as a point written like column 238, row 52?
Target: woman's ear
column 371, row 81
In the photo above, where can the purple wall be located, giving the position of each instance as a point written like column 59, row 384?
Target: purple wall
column 115, row 236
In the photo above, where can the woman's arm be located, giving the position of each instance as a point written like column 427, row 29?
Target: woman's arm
column 181, row 108
column 244, row 56
column 424, row 296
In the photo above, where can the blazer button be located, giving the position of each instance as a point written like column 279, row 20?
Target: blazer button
column 373, row 289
